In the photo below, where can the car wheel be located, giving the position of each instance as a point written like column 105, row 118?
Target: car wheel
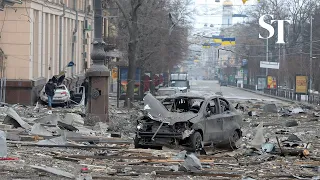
column 233, row 139
column 196, row 141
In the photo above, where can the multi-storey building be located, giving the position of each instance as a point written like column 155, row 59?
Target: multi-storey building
column 38, row 39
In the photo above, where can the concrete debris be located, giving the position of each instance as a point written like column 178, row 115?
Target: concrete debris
column 258, row 139
column 51, row 119
column 14, row 119
column 252, row 113
column 297, row 110
column 55, row 171
column 270, row 108
column 110, row 171
column 61, row 140
column 291, row 123
column 191, row 164
column 38, row 129
column 74, row 119
column 101, row 127
column 268, row 147
column 3, row 144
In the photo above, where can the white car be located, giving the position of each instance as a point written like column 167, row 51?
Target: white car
column 61, row 95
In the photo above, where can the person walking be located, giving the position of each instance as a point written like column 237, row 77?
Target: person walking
column 50, row 89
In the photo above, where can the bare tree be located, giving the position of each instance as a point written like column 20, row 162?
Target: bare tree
column 131, row 20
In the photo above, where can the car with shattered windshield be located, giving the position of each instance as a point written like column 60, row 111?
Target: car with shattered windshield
column 188, row 120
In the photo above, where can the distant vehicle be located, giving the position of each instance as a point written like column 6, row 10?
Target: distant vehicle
column 180, row 82
column 61, row 95
column 223, row 83
column 165, row 92
column 188, row 120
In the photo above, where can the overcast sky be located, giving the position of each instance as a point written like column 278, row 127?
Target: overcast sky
column 214, row 11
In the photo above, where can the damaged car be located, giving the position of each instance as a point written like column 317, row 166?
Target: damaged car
column 188, row 120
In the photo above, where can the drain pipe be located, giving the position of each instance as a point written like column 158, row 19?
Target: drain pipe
column 84, row 55
column 60, row 36
column 74, row 36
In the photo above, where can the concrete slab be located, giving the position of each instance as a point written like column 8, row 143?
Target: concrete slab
column 14, row 119
column 40, row 130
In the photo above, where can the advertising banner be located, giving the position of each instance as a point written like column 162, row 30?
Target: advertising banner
column 271, row 82
column 261, row 83
column 301, row 84
column 123, row 81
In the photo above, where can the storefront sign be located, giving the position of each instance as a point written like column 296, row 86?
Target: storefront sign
column 302, row 84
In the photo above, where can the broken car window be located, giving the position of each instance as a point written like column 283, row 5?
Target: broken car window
column 212, row 107
column 224, row 105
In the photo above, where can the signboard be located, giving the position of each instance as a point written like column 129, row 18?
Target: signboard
column 245, row 76
column 262, row 83
column 114, row 73
column 271, row 82
column 301, row 84
column 269, row 65
column 123, row 82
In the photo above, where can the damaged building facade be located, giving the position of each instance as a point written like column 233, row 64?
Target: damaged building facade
column 38, row 40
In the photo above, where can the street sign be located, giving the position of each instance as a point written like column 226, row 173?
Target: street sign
column 269, row 65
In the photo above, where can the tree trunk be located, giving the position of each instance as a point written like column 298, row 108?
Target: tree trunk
column 132, row 69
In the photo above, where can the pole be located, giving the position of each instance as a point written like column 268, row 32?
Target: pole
column 60, row 37
column 310, row 63
column 84, row 57
column 74, row 35
column 98, row 73
column 267, row 56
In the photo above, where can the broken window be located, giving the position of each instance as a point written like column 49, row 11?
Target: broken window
column 212, row 107
column 224, row 105
column 183, row 104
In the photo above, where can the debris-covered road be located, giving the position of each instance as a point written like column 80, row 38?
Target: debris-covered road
column 106, row 152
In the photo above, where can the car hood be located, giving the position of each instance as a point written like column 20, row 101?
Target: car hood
column 158, row 112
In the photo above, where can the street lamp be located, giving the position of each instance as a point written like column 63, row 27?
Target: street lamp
column 98, row 73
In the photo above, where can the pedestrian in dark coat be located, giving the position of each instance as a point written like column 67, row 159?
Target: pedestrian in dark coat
column 50, row 89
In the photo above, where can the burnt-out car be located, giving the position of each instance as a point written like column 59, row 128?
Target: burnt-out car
column 188, row 120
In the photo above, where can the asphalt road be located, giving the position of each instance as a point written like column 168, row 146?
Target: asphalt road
column 210, row 87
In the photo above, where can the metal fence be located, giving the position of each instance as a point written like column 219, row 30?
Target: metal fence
column 312, row 98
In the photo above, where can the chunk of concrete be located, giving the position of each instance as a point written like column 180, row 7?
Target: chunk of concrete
column 191, row 164
column 50, row 119
column 73, row 119
column 258, row 139
column 55, row 171
column 14, row 119
column 3, row 144
column 38, row 129
column 61, row 140
column 270, row 108
column 101, row 127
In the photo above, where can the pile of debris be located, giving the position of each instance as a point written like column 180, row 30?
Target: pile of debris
column 60, row 146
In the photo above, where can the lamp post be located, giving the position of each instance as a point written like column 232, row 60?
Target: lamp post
column 98, row 73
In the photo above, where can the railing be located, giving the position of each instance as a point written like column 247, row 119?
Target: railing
column 312, row 98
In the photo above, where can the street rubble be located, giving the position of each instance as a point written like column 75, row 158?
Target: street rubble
column 280, row 141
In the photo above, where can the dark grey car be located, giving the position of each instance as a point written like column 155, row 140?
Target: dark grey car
column 188, row 120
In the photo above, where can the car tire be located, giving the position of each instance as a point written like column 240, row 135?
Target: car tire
column 196, row 141
column 233, row 139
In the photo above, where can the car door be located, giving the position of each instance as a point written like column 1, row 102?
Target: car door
column 214, row 123
column 229, row 119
